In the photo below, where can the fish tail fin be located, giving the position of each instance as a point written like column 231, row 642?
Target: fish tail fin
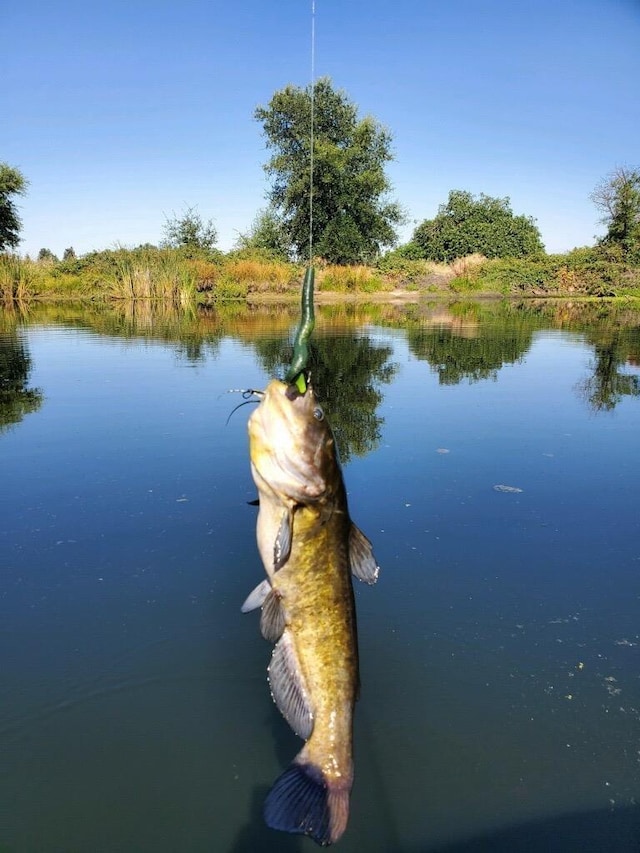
column 302, row 800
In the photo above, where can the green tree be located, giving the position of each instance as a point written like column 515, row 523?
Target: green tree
column 466, row 224
column 266, row 234
column 12, row 183
column 353, row 217
column 617, row 197
column 46, row 255
column 189, row 231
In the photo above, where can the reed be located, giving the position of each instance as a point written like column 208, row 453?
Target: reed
column 151, row 274
column 16, row 279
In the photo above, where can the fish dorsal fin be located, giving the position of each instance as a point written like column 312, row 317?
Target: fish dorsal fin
column 288, row 687
column 272, row 617
column 284, row 538
column 256, row 597
column 363, row 563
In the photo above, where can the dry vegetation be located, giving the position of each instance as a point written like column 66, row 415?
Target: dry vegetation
column 149, row 273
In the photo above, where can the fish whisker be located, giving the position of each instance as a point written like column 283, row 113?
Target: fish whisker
column 248, row 394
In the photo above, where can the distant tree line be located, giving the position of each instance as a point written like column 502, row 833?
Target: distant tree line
column 329, row 197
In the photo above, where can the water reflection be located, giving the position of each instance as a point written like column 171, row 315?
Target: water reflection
column 465, row 341
column 607, row 385
column 347, row 372
column 16, row 399
column 473, row 342
column 458, row 350
column 499, row 656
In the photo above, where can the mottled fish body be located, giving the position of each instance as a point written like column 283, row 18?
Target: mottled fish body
column 309, row 547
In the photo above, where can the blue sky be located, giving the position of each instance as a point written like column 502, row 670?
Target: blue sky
column 121, row 113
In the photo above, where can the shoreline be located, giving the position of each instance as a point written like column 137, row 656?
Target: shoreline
column 328, row 297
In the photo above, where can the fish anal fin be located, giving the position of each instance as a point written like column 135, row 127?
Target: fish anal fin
column 288, row 687
column 284, row 538
column 363, row 564
column 256, row 597
column 272, row 619
column 302, row 801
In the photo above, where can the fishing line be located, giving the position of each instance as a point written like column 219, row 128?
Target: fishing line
column 313, row 86
column 247, row 396
column 296, row 372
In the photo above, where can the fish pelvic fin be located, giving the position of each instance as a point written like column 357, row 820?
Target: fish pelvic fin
column 364, row 565
column 303, row 801
column 272, row 618
column 256, row 597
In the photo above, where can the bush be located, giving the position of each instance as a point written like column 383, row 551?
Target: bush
column 467, row 225
column 228, row 288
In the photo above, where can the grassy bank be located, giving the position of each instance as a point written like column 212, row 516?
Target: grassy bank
column 181, row 277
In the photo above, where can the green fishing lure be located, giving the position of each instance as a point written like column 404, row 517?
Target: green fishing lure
column 296, row 372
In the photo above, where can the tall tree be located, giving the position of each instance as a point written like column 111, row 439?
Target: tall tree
column 617, row 197
column 12, row 183
column 468, row 224
column 353, row 216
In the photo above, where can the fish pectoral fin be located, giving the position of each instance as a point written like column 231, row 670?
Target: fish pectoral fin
column 363, row 564
column 257, row 597
column 272, row 620
column 254, row 502
column 288, row 687
column 284, row 538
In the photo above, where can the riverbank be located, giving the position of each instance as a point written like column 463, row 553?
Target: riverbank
column 151, row 273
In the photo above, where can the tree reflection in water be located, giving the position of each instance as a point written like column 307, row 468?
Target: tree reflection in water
column 607, row 385
column 347, row 372
column 16, row 399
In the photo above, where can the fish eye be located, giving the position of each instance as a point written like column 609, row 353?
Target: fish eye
column 318, row 414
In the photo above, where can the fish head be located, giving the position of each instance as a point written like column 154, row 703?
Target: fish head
column 292, row 447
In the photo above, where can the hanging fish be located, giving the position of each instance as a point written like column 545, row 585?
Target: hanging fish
column 309, row 547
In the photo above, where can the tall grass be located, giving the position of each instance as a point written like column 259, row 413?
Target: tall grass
column 172, row 275
column 16, row 279
column 151, row 274
column 350, row 279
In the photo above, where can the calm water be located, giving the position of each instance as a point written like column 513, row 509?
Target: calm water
column 500, row 707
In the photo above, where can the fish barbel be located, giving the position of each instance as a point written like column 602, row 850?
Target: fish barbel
column 309, row 547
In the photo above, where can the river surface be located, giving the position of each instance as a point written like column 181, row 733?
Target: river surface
column 490, row 452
